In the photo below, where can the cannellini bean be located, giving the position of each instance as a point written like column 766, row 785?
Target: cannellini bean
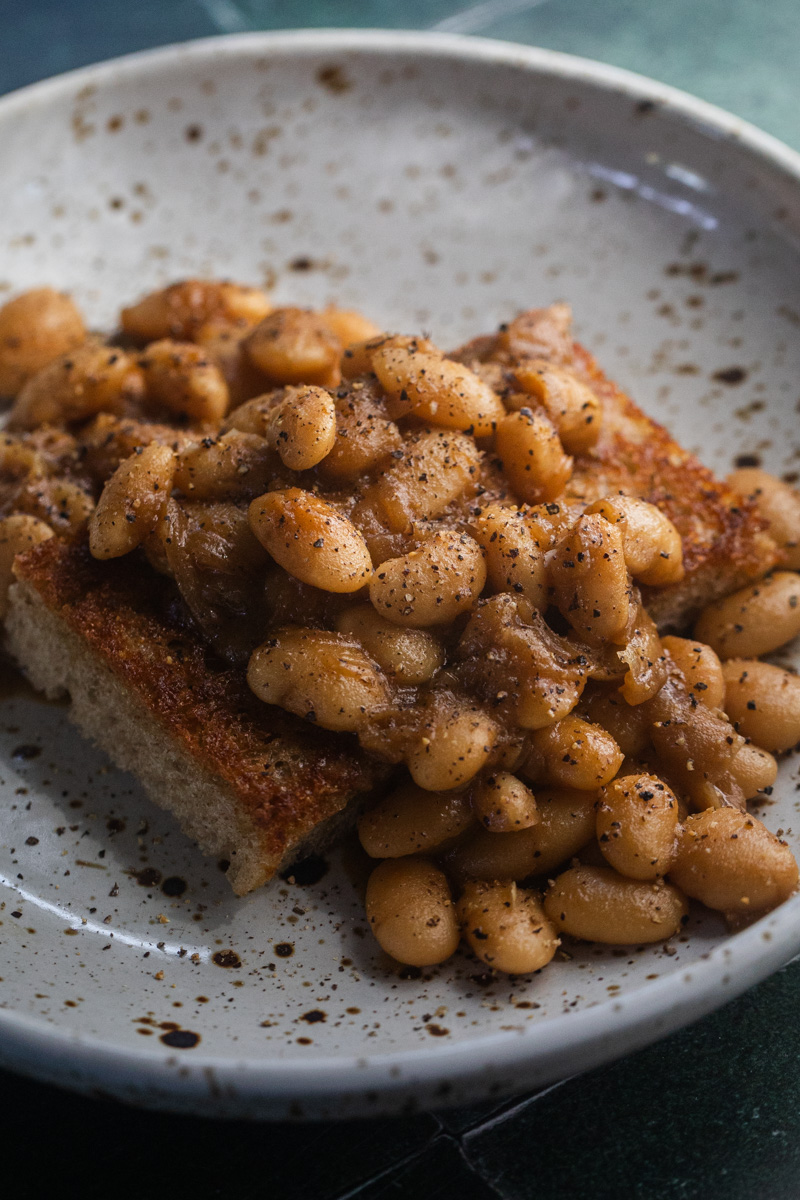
column 455, row 741
column 651, row 544
column 179, row 310
column 576, row 754
column 570, row 404
column 637, row 826
column 763, row 702
column 628, row 725
column 433, row 469
column 183, row 378
column 60, row 503
column 433, row 388
column 302, row 428
column 432, row 584
column 349, row 326
column 506, row 927
column 566, row 823
column 410, row 656
column 700, row 667
column 321, row 676
column 779, row 505
column 311, row 540
column 755, row 620
column 133, row 500
column 515, row 545
column 18, row 458
column 411, row 912
column 502, row 803
column 292, row 345
column 364, row 435
column 410, row 820
column 533, row 458
column 590, row 579
column 90, row 379
column 35, row 327
column 598, row 905
column 539, row 333
column 18, row 533
column 235, row 465
column 731, row 862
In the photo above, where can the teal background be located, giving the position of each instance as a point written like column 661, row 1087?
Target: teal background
column 712, row 1112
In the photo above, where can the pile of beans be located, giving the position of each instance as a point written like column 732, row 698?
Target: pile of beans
column 384, row 538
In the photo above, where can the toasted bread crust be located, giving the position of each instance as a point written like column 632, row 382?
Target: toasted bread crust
column 285, row 776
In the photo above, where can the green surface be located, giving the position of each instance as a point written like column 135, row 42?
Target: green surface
column 713, row 1112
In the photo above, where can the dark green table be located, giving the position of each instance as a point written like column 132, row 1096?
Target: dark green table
column 712, row 1112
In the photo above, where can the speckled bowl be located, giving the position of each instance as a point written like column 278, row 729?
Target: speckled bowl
column 437, row 183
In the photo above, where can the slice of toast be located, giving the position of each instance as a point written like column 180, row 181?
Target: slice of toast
column 250, row 783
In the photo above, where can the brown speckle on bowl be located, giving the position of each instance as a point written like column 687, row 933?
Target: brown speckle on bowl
column 334, row 79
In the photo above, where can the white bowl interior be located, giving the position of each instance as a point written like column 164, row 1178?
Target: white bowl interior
column 436, row 187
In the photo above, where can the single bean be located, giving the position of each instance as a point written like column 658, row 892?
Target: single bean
column 455, row 741
column 432, row 584
column 411, row 819
column 763, row 702
column 577, row 754
column 311, row 540
column 637, row 826
column 132, row 502
column 515, row 545
column 502, row 803
column 35, row 327
column 411, row 912
column 292, row 345
column 364, row 435
column 506, row 927
column 433, row 388
column 434, row 469
column 181, row 377
column 302, row 428
column 321, row 676
column 90, row 379
column 533, row 458
column 731, row 862
column 235, row 466
column 778, row 503
column 598, row 905
column 755, row 620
